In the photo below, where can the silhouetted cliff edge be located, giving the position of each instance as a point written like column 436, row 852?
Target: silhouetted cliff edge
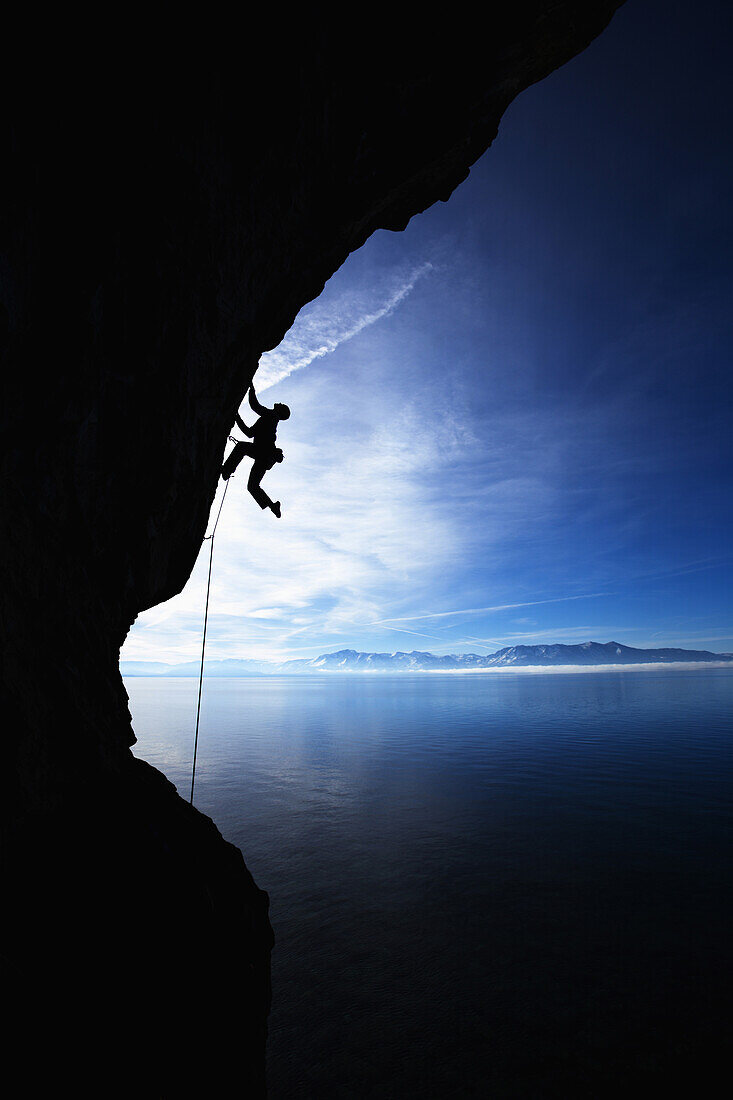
column 167, row 210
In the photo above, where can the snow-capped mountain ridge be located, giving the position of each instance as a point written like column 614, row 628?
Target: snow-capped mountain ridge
column 585, row 653
column 517, row 656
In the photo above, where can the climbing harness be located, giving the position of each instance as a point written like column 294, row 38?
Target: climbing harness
column 203, row 644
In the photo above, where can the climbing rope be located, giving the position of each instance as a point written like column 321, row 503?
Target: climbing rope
column 203, row 644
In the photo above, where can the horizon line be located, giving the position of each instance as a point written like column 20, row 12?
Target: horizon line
column 392, row 653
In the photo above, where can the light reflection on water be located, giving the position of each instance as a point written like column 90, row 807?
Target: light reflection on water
column 469, row 876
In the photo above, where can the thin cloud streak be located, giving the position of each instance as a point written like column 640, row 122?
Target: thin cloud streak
column 402, row 630
column 480, row 610
column 318, row 331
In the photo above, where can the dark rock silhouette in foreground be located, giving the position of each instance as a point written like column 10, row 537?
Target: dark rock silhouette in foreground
column 167, row 210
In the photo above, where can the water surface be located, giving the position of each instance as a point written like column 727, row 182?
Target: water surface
column 480, row 885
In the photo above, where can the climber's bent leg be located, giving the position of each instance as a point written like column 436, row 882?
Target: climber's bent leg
column 238, row 453
column 257, row 472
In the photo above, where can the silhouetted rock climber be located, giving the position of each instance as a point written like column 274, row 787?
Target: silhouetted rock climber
column 262, row 449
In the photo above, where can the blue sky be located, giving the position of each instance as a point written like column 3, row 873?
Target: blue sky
column 512, row 422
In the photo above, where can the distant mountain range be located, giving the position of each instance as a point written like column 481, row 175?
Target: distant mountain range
column 516, row 656
column 230, row 667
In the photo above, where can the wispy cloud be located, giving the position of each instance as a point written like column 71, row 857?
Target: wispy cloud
column 485, row 610
column 414, row 633
column 328, row 322
column 356, row 525
column 445, row 457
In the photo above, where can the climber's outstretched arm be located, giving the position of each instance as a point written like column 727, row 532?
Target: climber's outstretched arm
column 254, row 403
column 243, row 427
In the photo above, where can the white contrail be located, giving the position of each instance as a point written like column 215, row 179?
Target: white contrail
column 478, row 610
column 319, row 330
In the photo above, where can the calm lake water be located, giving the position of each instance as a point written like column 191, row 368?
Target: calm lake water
column 485, row 885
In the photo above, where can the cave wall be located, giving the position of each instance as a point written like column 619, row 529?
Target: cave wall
column 166, row 212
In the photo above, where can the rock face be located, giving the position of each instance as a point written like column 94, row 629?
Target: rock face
column 166, row 213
